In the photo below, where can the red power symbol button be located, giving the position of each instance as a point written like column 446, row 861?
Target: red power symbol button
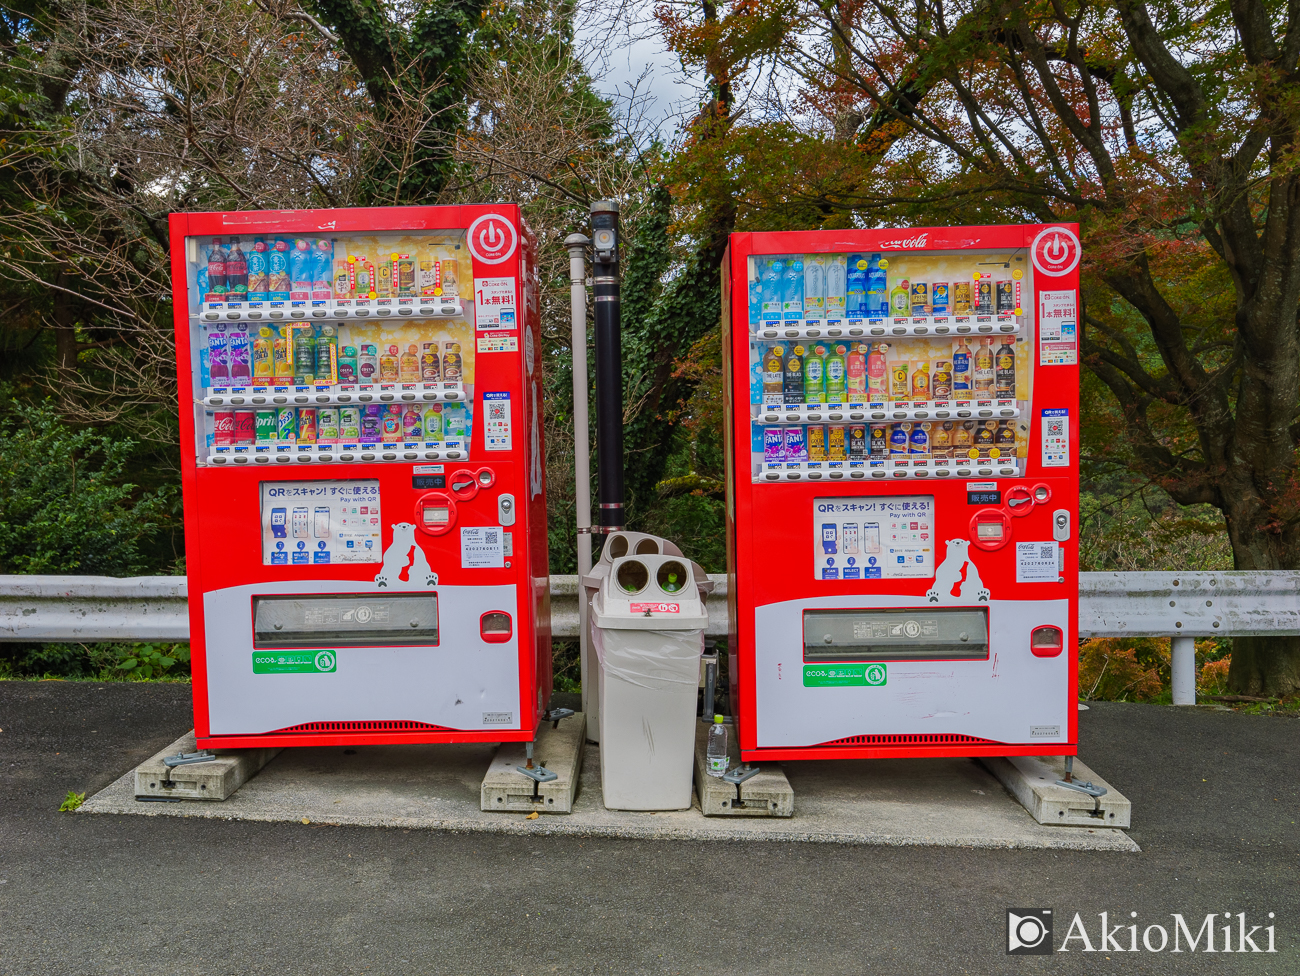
column 492, row 239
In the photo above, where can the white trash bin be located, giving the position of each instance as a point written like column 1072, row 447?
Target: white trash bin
column 617, row 545
column 648, row 629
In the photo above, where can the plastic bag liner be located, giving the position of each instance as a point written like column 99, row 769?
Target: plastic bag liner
column 646, row 688
column 663, row 660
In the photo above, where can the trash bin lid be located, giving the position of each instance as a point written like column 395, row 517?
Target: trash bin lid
column 650, row 592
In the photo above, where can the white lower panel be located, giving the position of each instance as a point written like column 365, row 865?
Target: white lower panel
column 463, row 683
column 1011, row 697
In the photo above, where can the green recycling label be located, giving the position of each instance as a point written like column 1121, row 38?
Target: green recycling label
column 294, row 662
column 843, row 675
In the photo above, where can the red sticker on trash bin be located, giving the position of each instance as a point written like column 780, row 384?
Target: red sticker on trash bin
column 656, row 608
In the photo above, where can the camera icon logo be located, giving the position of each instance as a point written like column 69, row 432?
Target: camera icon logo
column 1029, row 931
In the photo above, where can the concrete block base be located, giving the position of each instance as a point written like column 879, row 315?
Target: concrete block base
column 1032, row 781
column 559, row 750
column 768, row 794
column 213, row 780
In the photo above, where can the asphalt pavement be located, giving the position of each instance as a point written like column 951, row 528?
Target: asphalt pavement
column 1216, row 801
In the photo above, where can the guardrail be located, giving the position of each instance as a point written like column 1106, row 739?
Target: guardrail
column 1182, row 606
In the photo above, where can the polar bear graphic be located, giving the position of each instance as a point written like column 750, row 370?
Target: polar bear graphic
column 958, row 578
column 404, row 560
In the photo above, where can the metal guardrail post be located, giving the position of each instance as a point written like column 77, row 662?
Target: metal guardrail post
column 1183, row 670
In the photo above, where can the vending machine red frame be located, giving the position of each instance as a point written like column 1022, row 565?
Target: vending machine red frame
column 969, row 647
column 297, row 637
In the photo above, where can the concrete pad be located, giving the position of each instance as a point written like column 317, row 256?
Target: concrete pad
column 766, row 795
column 505, row 789
column 1032, row 781
column 945, row 802
column 215, row 780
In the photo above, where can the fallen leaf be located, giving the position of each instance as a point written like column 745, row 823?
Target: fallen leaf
column 305, row 820
column 532, row 816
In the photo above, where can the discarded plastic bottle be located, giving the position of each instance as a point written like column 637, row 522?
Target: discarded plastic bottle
column 716, row 752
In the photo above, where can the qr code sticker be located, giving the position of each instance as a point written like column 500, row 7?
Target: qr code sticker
column 496, row 410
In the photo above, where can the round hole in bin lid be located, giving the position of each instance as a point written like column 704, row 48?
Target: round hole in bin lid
column 672, row 577
column 632, row 576
column 647, row 547
column 617, row 546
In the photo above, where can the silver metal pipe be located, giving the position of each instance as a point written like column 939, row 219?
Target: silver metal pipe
column 577, row 245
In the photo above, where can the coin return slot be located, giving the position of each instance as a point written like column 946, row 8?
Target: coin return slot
column 1046, row 641
column 495, row 627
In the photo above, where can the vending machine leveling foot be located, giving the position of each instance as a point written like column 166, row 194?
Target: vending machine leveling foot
column 539, row 776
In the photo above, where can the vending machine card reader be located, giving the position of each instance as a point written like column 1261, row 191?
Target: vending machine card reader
column 365, row 516
column 902, row 444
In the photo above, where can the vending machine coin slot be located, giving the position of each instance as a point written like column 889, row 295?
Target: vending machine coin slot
column 990, row 529
column 895, row 635
column 435, row 513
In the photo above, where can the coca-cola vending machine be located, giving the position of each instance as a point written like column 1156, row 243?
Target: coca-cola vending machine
column 363, row 474
column 903, row 488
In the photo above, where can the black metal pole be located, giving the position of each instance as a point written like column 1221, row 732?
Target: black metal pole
column 609, row 364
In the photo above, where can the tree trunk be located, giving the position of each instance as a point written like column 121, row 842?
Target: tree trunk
column 1265, row 666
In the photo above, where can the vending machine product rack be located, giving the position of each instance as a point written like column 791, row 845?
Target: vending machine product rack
column 912, row 391
column 363, row 475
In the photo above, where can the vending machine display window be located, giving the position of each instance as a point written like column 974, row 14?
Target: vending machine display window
column 873, row 364
column 348, row 347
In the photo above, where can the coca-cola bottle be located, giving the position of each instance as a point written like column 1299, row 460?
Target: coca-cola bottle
column 236, row 273
column 217, row 272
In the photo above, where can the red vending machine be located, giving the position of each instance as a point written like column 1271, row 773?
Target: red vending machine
column 365, row 515
column 902, row 508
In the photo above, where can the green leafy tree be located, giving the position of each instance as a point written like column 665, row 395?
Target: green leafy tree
column 64, row 506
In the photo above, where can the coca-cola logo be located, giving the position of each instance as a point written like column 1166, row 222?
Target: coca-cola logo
column 900, row 243
column 1056, row 251
column 225, row 422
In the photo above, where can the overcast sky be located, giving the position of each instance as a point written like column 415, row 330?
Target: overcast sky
column 629, row 60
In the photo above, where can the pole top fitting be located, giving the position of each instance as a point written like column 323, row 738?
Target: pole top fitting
column 576, row 240
column 604, row 206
